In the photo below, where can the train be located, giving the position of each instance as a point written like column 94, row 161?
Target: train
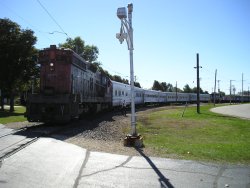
column 70, row 88
column 235, row 98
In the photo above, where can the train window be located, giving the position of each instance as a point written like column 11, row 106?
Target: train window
column 126, row 94
column 119, row 92
column 115, row 92
column 122, row 93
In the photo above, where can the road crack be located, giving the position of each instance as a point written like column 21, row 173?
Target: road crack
column 81, row 169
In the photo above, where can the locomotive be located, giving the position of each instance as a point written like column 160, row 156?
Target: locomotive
column 69, row 88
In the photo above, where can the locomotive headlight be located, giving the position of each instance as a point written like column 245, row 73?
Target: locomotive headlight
column 52, row 66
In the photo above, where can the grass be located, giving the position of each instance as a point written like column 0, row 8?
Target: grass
column 206, row 136
column 16, row 116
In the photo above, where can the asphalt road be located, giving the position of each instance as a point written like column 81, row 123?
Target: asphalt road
column 242, row 110
column 52, row 163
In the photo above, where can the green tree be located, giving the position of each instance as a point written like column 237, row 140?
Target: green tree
column 17, row 51
column 157, row 86
column 187, row 89
column 125, row 81
column 178, row 90
column 201, row 91
column 76, row 44
column 170, row 88
column 87, row 52
column 137, row 84
column 90, row 53
column 117, row 78
column 164, row 86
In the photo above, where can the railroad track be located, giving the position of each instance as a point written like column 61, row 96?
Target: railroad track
column 17, row 149
column 18, row 139
column 13, row 131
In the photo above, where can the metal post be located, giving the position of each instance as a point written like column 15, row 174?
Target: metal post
column 219, row 96
column 133, row 121
column 128, row 35
column 198, row 83
column 231, row 91
column 248, row 94
column 234, row 97
column 215, row 86
column 126, row 25
column 242, row 89
column 176, row 92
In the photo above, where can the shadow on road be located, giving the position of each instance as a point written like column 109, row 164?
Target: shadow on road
column 162, row 179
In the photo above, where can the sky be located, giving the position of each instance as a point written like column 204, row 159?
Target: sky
column 167, row 36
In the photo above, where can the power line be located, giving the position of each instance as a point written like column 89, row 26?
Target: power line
column 56, row 32
column 31, row 25
column 52, row 18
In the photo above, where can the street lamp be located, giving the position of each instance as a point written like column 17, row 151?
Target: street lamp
column 126, row 32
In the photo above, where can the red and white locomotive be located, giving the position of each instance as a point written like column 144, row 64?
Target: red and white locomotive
column 67, row 87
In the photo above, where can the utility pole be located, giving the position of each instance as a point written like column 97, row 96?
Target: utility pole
column 248, row 94
column 198, row 83
column 219, row 90
column 215, row 85
column 176, row 91
column 242, row 89
column 218, row 86
column 231, row 90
